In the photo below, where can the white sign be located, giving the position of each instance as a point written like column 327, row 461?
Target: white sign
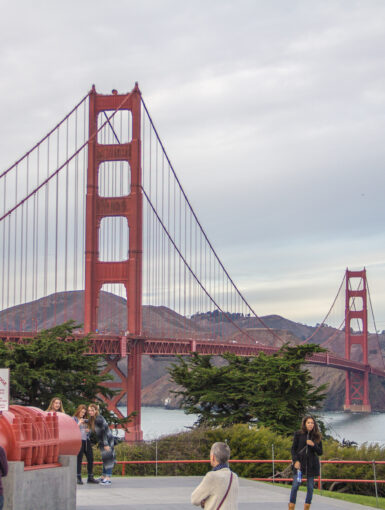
column 4, row 389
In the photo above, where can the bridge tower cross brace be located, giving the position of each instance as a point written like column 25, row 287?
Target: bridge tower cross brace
column 356, row 383
column 127, row 272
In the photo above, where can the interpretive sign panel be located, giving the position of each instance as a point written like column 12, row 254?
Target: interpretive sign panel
column 4, row 389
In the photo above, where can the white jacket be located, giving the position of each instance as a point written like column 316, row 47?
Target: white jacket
column 212, row 489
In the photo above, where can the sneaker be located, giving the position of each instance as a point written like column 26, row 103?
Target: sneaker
column 79, row 481
column 105, row 482
column 91, row 479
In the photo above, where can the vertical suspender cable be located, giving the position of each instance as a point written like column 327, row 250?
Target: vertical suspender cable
column 8, row 264
column 184, row 267
column 27, row 230
column 56, row 221
column 66, row 227
column 168, row 243
column 21, row 322
column 14, row 272
column 76, row 213
column 162, row 248
column 76, row 222
column 85, row 137
column 3, row 263
column 173, row 251
column 46, row 239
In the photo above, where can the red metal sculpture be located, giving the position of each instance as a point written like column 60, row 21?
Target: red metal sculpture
column 36, row 437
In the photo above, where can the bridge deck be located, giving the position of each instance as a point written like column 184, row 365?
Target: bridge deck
column 173, row 493
column 120, row 346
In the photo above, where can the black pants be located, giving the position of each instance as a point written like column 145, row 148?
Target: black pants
column 86, row 449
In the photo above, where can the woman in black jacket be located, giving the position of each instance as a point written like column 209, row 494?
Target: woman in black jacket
column 306, row 448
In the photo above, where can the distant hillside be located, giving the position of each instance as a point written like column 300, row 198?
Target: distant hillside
column 161, row 321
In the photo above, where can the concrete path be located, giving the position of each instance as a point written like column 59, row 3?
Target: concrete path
column 173, row 493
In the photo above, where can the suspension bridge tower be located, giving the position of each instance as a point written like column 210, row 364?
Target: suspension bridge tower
column 127, row 272
column 357, row 383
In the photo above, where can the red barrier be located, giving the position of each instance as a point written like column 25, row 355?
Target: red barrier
column 36, row 437
column 123, row 463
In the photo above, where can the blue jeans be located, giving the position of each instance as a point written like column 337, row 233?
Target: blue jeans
column 1, row 501
column 309, row 493
column 106, row 472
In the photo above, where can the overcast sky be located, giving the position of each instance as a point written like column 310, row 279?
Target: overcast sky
column 272, row 113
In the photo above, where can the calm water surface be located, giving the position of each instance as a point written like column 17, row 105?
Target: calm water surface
column 370, row 428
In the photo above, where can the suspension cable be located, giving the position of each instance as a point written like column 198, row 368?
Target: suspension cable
column 375, row 326
column 191, row 270
column 43, row 183
column 327, row 315
column 46, row 136
column 203, row 232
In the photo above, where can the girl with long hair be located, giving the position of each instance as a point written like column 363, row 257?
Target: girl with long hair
column 80, row 417
column 306, row 447
column 56, row 406
column 105, row 440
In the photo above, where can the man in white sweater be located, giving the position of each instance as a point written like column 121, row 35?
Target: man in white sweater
column 219, row 488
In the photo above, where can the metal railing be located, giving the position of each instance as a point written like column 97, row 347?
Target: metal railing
column 272, row 478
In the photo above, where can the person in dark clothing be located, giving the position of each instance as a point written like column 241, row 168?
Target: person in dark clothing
column 3, row 472
column 80, row 417
column 306, row 447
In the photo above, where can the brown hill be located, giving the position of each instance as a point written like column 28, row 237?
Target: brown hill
column 161, row 321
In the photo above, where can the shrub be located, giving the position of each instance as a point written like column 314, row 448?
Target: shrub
column 248, row 442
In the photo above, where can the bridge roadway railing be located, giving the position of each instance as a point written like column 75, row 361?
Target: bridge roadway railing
column 120, row 346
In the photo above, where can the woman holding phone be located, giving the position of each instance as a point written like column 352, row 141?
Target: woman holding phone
column 306, row 447
column 81, row 419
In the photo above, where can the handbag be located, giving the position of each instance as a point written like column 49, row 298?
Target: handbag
column 292, row 464
column 228, row 488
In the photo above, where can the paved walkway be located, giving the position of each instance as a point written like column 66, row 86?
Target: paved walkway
column 173, row 493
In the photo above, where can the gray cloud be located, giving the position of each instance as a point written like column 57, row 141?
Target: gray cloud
column 273, row 114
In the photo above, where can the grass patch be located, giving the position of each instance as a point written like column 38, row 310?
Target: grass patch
column 352, row 498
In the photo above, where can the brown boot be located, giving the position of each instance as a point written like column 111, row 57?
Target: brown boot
column 291, row 506
column 307, row 506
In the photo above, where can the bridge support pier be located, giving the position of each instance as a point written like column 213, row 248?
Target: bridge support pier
column 357, row 393
column 357, row 383
column 130, row 387
column 133, row 389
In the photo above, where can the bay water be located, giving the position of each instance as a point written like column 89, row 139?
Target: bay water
column 361, row 428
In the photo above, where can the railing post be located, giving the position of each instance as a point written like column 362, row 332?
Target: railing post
column 156, row 457
column 375, row 481
column 320, row 477
column 272, row 456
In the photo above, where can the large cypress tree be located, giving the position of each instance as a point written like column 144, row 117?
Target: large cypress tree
column 54, row 365
column 273, row 390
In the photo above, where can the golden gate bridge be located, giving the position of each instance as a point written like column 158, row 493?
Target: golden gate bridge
column 95, row 226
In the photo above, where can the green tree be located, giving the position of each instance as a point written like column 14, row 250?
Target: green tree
column 275, row 390
column 50, row 365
